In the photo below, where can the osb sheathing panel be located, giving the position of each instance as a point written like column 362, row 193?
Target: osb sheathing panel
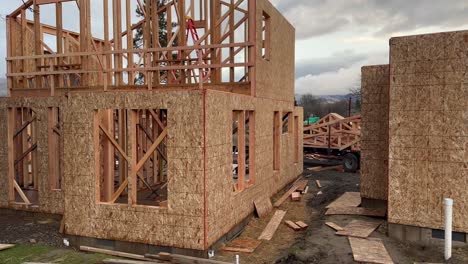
column 275, row 77
column 50, row 201
column 226, row 208
column 428, row 143
column 374, row 131
column 181, row 224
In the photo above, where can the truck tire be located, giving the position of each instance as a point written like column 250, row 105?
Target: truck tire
column 350, row 162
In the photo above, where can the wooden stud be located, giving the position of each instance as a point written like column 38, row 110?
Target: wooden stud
column 97, row 155
column 241, row 151
column 132, row 171
column 107, row 125
column 11, row 153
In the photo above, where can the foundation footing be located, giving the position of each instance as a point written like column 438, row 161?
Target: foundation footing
column 424, row 236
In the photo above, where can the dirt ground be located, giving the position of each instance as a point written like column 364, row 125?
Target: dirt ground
column 317, row 244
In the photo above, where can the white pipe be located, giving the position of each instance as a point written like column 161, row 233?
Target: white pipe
column 237, row 259
column 448, row 203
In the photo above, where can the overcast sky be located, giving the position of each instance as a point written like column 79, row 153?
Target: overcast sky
column 335, row 38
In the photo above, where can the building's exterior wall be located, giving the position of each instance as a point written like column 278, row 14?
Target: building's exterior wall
column 374, row 131
column 50, row 201
column 275, row 77
column 428, row 137
column 226, row 208
column 181, row 224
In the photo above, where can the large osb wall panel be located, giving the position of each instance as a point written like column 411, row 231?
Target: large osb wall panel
column 181, row 224
column 49, row 201
column 428, row 143
column 275, row 77
column 374, row 131
column 226, row 208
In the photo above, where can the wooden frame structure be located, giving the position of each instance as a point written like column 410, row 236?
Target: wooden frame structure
column 138, row 133
column 334, row 132
column 222, row 53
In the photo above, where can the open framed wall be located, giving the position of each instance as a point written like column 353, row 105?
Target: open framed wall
column 32, row 154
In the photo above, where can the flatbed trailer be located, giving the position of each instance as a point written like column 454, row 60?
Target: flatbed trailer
column 338, row 135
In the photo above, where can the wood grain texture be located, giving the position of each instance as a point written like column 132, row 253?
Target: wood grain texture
column 348, row 199
column 371, row 250
column 380, row 212
column 375, row 85
column 359, row 228
column 274, row 223
column 263, row 206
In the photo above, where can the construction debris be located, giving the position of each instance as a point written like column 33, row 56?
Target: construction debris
column 317, row 182
column 370, row 250
column 379, row 212
column 292, row 225
column 334, row 226
column 359, row 228
column 296, row 196
column 306, row 190
column 242, row 245
column 126, row 261
column 263, row 206
column 348, row 199
column 274, row 223
column 6, row 246
column 296, row 186
column 302, row 225
column 113, row 253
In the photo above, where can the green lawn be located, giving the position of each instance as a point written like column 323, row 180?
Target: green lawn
column 42, row 253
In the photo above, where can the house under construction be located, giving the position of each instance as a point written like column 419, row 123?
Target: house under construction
column 153, row 122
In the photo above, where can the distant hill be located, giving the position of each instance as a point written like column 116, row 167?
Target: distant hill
column 336, row 98
column 3, row 87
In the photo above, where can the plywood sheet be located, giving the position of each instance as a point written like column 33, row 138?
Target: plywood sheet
column 263, row 206
column 274, row 223
column 348, row 199
column 356, row 211
column 244, row 245
column 359, row 228
column 371, row 250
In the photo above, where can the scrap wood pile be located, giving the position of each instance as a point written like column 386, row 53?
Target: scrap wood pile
column 334, row 132
column 365, row 249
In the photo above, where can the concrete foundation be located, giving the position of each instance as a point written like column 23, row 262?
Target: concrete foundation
column 424, row 236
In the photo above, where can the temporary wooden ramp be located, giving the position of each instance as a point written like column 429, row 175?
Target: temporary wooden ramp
column 334, row 132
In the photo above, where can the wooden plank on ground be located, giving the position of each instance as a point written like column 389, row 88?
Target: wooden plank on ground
column 302, row 185
column 334, row 226
column 302, row 225
column 242, row 245
column 292, row 225
column 296, row 196
column 290, row 191
column 126, row 261
column 359, row 228
column 370, row 250
column 379, row 212
column 348, row 199
column 263, row 206
column 318, row 183
column 315, row 168
column 6, row 246
column 113, row 253
column 337, row 167
column 274, row 223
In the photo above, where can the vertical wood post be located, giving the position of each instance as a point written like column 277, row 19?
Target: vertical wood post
column 37, row 41
column 132, row 173
column 97, row 155
column 11, row 153
column 241, row 153
column 252, row 39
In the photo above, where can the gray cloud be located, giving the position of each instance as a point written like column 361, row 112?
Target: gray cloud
column 319, row 17
column 328, row 64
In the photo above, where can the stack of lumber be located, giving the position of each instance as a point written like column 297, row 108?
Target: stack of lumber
column 334, row 132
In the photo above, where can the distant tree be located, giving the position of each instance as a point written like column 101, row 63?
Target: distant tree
column 356, row 94
column 138, row 38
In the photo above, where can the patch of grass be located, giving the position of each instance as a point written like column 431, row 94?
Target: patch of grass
column 22, row 253
column 42, row 253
